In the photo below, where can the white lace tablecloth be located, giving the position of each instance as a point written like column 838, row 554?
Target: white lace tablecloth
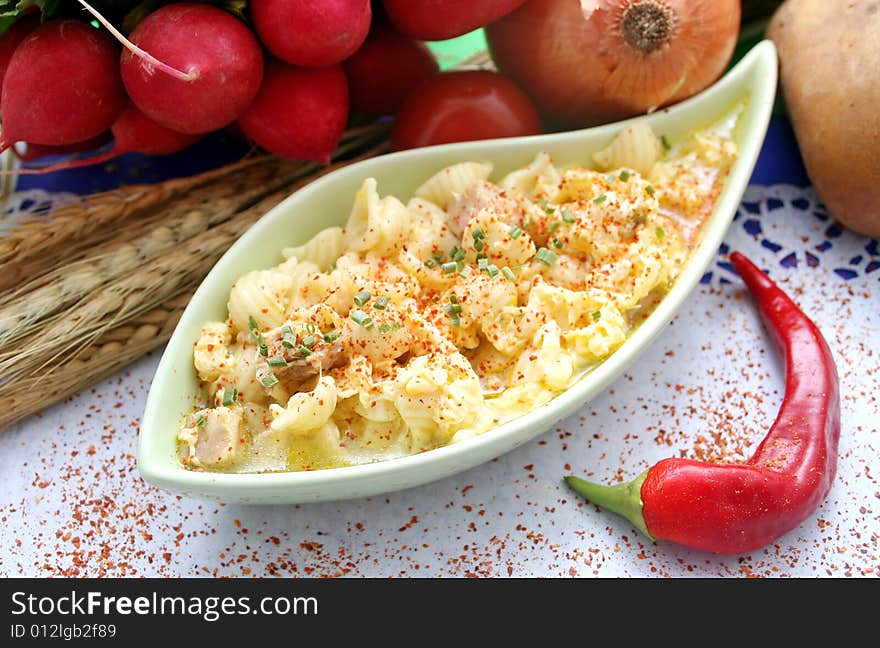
column 72, row 502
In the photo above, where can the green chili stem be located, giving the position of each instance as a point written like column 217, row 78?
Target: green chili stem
column 624, row 499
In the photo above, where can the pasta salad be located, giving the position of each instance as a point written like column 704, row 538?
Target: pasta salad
column 425, row 323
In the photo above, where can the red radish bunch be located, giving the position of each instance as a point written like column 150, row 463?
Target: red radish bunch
column 217, row 52
column 133, row 132
column 11, row 39
column 288, row 79
column 299, row 112
column 62, row 85
column 309, row 33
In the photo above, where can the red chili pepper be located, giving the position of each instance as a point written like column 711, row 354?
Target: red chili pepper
column 737, row 508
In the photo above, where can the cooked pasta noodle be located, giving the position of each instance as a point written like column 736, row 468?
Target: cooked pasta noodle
column 430, row 322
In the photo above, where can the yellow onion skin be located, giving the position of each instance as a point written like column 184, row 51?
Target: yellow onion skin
column 573, row 59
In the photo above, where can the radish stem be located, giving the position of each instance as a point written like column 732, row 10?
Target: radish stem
column 134, row 49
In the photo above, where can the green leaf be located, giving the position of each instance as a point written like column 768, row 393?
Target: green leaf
column 48, row 7
column 5, row 21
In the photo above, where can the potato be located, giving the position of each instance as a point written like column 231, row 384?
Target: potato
column 829, row 54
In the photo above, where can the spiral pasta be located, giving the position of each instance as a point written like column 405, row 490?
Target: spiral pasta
column 431, row 321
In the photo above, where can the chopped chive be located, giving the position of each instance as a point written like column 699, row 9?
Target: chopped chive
column 545, row 256
column 479, row 234
column 597, row 315
column 360, row 317
column 276, row 361
column 449, row 267
column 453, row 309
column 508, row 273
column 600, row 199
column 567, row 217
column 556, row 243
column 555, row 225
column 527, row 220
column 492, row 270
column 288, row 339
column 430, row 263
column 482, row 264
column 514, row 232
column 457, row 254
column 332, row 336
column 649, row 190
column 454, row 306
column 309, row 341
column 202, row 421
column 362, row 297
column 269, row 380
column 384, row 327
column 481, row 256
column 665, row 142
column 230, row 396
column 612, row 177
column 479, row 245
column 252, row 324
column 304, row 351
column 547, row 207
column 465, row 272
column 262, row 346
column 660, row 233
column 381, row 303
column 624, row 175
column 311, row 328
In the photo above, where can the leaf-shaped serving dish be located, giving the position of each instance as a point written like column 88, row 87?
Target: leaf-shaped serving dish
column 175, row 388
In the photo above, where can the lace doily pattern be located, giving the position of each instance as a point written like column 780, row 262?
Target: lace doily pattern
column 791, row 225
column 22, row 206
column 707, row 388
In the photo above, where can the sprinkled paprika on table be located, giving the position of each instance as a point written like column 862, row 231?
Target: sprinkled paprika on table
column 737, row 508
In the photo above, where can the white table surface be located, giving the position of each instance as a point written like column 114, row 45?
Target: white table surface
column 72, row 502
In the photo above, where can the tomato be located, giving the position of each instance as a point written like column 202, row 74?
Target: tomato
column 462, row 106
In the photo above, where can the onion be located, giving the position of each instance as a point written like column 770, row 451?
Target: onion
column 587, row 62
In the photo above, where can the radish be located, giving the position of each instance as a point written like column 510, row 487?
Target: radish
column 62, row 85
column 133, row 132
column 385, row 69
column 203, row 69
column 299, row 113
column 309, row 33
column 11, row 39
column 36, row 151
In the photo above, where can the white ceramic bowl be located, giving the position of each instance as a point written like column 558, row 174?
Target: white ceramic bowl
column 175, row 387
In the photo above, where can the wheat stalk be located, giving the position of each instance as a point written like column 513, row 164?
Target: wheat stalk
column 75, row 231
column 114, row 349
column 22, row 309
column 126, row 297
column 95, row 217
column 109, row 327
